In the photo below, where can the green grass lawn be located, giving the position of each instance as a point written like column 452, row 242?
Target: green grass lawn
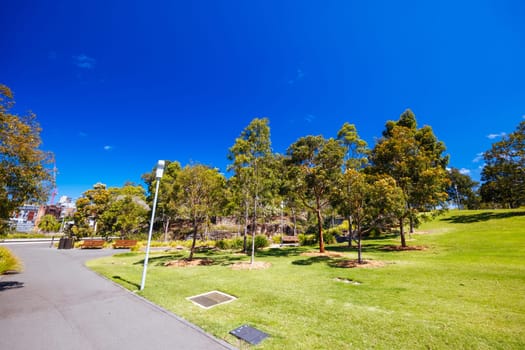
column 466, row 290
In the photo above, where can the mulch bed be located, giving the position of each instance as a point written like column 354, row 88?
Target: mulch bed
column 187, row 263
column 245, row 265
column 399, row 248
column 355, row 264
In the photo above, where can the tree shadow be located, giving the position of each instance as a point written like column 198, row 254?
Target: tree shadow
column 133, row 284
column 311, row 260
column 10, row 285
column 280, row 252
column 485, row 216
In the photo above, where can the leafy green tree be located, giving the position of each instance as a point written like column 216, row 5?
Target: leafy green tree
column 200, row 195
column 166, row 206
column 23, row 174
column 315, row 167
column 90, row 207
column 251, row 155
column 49, row 223
column 373, row 202
column 462, row 190
column 503, row 175
column 126, row 213
column 356, row 157
column 414, row 158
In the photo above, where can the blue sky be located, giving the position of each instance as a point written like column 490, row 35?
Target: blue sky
column 117, row 85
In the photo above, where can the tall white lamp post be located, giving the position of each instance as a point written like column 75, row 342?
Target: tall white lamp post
column 160, row 171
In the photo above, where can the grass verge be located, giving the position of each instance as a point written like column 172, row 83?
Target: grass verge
column 463, row 291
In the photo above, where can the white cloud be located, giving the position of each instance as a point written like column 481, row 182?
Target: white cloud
column 108, row 148
column 464, row 171
column 478, row 158
column 310, row 118
column 298, row 76
column 494, row 136
column 83, row 61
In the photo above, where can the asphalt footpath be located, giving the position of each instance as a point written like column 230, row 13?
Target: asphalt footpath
column 58, row 303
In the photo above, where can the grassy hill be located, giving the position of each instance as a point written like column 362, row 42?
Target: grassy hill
column 463, row 289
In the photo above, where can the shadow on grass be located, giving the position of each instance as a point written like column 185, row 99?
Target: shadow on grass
column 279, row 252
column 217, row 258
column 133, row 284
column 312, row 260
column 485, row 216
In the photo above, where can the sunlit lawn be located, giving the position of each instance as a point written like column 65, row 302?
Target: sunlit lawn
column 466, row 290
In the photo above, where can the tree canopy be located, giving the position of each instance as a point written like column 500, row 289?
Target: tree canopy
column 24, row 177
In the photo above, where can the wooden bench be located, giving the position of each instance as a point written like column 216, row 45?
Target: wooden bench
column 289, row 240
column 93, row 244
column 124, row 243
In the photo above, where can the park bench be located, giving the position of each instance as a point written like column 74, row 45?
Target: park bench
column 289, row 240
column 93, row 244
column 124, row 243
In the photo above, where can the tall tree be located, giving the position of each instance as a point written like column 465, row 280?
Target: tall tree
column 23, row 174
column 414, row 158
column 250, row 156
column 199, row 195
column 373, row 202
column 315, row 164
column 503, row 175
column 166, row 206
column 462, row 190
column 90, row 207
column 356, row 157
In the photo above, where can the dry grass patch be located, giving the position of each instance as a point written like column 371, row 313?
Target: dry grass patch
column 187, row 263
column 355, row 263
column 326, row 254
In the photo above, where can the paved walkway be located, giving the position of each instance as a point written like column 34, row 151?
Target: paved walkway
column 57, row 303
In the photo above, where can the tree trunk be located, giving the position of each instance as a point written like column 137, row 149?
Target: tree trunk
column 402, row 233
column 245, row 227
column 195, row 229
column 294, row 222
column 166, row 230
column 254, row 231
column 320, row 228
column 411, row 224
column 349, row 218
column 359, row 235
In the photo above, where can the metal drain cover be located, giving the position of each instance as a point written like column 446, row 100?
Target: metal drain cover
column 249, row 334
column 211, row 299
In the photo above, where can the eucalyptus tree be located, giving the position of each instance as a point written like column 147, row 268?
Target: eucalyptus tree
column 373, row 202
column 503, row 175
column 90, row 206
column 251, row 156
column 315, row 166
column 414, row 158
column 199, row 195
column 166, row 206
column 356, row 157
column 23, row 174
column 462, row 190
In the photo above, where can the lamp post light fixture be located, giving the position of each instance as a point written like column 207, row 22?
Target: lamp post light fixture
column 160, row 171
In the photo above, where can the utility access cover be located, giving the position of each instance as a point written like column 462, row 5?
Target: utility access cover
column 211, row 299
column 249, row 334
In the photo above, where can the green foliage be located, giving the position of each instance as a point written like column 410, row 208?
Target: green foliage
column 504, row 171
column 230, row 243
column 276, row 239
column 307, row 239
column 462, row 190
column 8, row 261
column 261, row 241
column 49, row 223
column 23, row 174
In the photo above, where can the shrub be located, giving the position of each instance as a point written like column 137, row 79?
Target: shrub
column 276, row 239
column 8, row 261
column 305, row 239
column 260, row 242
column 233, row 243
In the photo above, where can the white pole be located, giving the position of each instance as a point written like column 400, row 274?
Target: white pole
column 159, row 175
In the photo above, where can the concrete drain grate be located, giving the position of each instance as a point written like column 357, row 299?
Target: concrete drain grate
column 211, row 299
